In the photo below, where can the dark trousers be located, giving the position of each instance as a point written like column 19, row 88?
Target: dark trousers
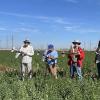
column 98, row 68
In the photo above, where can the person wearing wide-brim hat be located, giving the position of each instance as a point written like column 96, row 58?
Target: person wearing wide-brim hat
column 76, row 56
column 27, row 41
column 51, row 56
column 97, row 59
column 26, row 53
column 76, row 42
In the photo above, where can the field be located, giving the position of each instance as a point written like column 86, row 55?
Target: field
column 45, row 87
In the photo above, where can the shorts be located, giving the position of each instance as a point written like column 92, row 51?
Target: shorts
column 50, row 62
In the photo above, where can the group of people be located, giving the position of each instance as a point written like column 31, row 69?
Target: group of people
column 76, row 56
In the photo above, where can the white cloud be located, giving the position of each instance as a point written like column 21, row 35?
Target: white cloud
column 28, row 30
column 60, row 21
column 16, row 14
column 45, row 19
column 24, row 30
column 68, row 28
column 87, row 30
column 41, row 17
column 81, row 30
column 22, row 23
column 24, row 15
column 72, row 1
column 2, row 29
column 71, row 28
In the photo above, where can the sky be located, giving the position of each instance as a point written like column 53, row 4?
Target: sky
column 43, row 22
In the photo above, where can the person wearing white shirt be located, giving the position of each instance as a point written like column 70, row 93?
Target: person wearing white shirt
column 26, row 53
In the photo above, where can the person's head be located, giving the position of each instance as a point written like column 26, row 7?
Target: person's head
column 76, row 43
column 26, row 43
column 50, row 47
column 99, row 44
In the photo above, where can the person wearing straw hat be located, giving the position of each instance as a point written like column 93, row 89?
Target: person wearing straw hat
column 97, row 59
column 76, row 56
column 51, row 56
column 26, row 52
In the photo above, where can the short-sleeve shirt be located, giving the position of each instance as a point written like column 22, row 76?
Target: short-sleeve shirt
column 53, row 54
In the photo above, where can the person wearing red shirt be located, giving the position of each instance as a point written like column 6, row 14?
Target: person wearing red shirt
column 76, row 56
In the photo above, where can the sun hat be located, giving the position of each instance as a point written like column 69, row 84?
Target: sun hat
column 76, row 42
column 26, row 41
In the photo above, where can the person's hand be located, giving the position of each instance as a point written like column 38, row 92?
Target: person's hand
column 25, row 54
column 52, row 57
column 78, row 53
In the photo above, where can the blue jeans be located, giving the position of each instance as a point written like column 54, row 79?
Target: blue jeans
column 76, row 69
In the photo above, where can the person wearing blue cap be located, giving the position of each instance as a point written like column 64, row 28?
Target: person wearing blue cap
column 51, row 56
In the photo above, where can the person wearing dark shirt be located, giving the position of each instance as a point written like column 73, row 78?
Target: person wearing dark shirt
column 97, row 59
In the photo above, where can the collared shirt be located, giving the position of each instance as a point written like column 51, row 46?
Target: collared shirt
column 53, row 54
column 29, row 52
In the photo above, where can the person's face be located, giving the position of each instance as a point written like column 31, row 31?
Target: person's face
column 26, row 44
column 51, row 49
column 76, row 45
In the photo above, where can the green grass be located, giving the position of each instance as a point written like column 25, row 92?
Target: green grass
column 43, row 87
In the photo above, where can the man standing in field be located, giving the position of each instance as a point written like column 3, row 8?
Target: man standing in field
column 97, row 59
column 26, row 52
column 51, row 56
column 76, row 56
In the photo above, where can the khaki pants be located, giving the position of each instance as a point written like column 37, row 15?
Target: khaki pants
column 27, row 66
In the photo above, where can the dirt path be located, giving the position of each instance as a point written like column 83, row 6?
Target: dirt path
column 6, row 69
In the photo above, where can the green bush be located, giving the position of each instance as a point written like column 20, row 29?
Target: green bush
column 42, row 87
